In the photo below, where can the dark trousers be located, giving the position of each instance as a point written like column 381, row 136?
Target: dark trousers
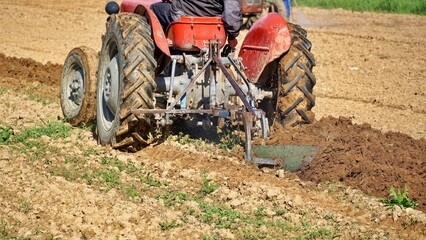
column 162, row 11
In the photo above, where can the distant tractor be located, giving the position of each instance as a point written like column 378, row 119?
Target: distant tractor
column 146, row 78
column 252, row 10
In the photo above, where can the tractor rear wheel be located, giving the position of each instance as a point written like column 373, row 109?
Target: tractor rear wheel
column 78, row 85
column 296, row 81
column 125, row 82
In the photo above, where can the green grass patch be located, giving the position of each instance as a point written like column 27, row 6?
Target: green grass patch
column 132, row 191
column 28, row 140
column 40, row 99
column 172, row 198
column 388, row 6
column 53, row 130
column 5, row 134
column 25, row 206
column 228, row 139
column 221, row 216
column 167, row 225
column 110, row 178
column 210, row 237
column 147, row 179
column 3, row 91
column 91, row 126
column 4, row 229
column 208, row 185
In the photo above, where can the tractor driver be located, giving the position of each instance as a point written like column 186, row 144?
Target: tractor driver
column 169, row 11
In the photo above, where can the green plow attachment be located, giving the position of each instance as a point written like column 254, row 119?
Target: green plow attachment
column 294, row 157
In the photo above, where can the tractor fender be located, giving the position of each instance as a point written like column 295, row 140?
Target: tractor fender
column 267, row 40
column 142, row 7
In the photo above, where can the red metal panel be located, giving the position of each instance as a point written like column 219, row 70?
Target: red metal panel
column 131, row 6
column 192, row 33
column 266, row 41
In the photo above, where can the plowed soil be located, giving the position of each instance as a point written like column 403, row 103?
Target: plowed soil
column 371, row 118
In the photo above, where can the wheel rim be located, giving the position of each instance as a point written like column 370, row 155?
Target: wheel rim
column 75, row 85
column 108, row 97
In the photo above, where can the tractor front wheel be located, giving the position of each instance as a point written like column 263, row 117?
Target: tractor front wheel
column 125, row 82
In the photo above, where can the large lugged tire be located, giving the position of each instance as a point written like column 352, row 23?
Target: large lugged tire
column 78, row 85
column 125, row 82
column 296, row 98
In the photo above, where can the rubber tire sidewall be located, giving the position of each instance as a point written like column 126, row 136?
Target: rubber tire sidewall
column 113, row 33
column 85, row 58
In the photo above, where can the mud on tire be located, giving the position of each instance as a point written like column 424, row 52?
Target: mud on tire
column 78, row 86
column 125, row 82
column 296, row 80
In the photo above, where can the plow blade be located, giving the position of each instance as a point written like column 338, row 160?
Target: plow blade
column 294, row 157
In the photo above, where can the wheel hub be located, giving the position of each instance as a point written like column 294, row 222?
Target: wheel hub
column 111, row 90
column 77, row 88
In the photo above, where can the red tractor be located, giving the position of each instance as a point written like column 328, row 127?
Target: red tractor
column 147, row 77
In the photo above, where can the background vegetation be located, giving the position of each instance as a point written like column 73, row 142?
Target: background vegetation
column 389, row 6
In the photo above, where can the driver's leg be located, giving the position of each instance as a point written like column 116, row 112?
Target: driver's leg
column 162, row 11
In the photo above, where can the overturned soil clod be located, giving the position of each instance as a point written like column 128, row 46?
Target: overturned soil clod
column 361, row 157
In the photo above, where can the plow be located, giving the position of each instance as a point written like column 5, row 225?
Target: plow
column 144, row 78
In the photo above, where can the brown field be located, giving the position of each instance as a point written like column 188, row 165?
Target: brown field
column 371, row 127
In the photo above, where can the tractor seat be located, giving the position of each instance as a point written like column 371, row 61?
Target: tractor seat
column 192, row 33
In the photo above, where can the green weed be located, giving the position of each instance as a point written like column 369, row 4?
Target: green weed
column 132, row 192
column 3, row 228
column 228, row 140
column 25, row 206
column 210, row 237
column 168, row 225
column 221, row 216
column 3, row 90
column 40, row 99
column 111, row 178
column 150, row 181
column 400, row 198
column 208, row 186
column 87, row 176
column 51, row 237
column 280, row 211
column 198, row 143
column 52, row 130
column 329, row 217
column 184, row 138
column 172, row 198
column 90, row 127
column 5, row 134
column 319, row 233
column 408, row 222
column 90, row 152
column 253, row 234
column 259, row 212
column 70, row 173
column 114, row 162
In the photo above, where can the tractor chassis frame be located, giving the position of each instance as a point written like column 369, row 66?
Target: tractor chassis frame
column 248, row 113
